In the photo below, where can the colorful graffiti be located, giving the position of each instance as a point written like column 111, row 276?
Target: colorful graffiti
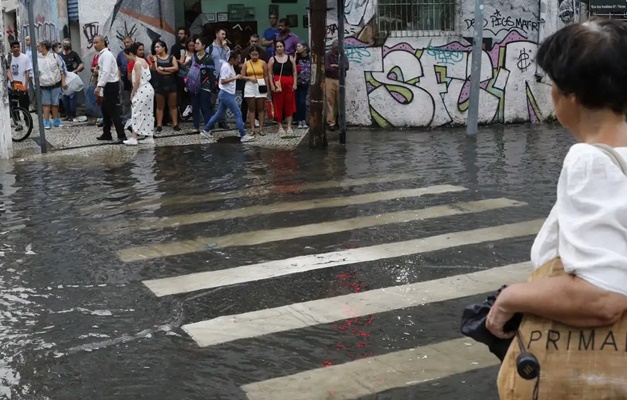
column 425, row 80
column 48, row 23
column 430, row 86
column 143, row 20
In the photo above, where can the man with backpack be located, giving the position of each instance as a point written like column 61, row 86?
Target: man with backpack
column 201, row 83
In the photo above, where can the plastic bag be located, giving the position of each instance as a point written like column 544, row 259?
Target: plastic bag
column 74, row 84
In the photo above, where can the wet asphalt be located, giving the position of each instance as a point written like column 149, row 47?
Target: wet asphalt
column 77, row 323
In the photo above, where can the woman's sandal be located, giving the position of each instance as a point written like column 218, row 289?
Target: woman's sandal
column 262, row 133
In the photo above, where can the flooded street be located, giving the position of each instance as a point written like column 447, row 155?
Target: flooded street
column 225, row 271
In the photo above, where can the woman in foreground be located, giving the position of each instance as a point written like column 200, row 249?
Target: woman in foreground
column 587, row 227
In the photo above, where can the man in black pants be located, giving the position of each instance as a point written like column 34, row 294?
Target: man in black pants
column 109, row 91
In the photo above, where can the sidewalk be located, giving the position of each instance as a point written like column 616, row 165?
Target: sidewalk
column 80, row 138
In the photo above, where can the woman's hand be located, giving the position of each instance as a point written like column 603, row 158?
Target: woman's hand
column 497, row 318
column 295, row 86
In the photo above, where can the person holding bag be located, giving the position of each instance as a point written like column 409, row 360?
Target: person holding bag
column 255, row 90
column 283, row 82
column 572, row 340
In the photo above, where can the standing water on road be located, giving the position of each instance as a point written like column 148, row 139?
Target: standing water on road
column 231, row 272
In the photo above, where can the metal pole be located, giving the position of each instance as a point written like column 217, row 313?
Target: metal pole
column 342, row 95
column 475, row 75
column 318, row 13
column 33, row 47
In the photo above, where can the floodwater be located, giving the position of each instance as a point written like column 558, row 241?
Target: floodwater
column 76, row 321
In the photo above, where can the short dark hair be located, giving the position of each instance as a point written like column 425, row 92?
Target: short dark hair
column 284, row 21
column 14, row 43
column 254, row 36
column 233, row 55
column 220, row 30
column 132, row 49
column 589, row 61
column 182, row 28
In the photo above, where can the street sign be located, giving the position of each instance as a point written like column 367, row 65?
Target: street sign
column 608, row 6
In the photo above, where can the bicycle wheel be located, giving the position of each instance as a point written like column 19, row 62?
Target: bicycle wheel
column 21, row 124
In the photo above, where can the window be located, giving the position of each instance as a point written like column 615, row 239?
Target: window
column 399, row 18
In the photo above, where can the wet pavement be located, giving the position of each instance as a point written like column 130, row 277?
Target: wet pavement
column 84, row 242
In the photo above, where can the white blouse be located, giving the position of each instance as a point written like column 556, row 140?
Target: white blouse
column 591, row 212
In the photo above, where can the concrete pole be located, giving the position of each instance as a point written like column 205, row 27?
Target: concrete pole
column 33, row 45
column 6, row 143
column 342, row 95
column 318, row 18
column 475, row 75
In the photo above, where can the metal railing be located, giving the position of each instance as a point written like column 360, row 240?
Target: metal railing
column 416, row 18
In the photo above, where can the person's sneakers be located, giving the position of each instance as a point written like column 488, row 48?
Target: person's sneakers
column 148, row 140
column 247, row 138
column 57, row 123
column 300, row 125
column 206, row 135
column 305, row 125
column 187, row 112
column 47, row 125
column 177, row 128
column 131, row 142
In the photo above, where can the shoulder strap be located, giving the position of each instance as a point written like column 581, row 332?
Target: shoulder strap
column 613, row 155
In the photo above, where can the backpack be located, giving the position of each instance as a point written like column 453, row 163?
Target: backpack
column 192, row 81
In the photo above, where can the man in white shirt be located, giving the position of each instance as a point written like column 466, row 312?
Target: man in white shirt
column 20, row 69
column 108, row 89
column 227, row 100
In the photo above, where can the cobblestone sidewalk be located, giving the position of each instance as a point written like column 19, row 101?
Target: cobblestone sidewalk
column 80, row 138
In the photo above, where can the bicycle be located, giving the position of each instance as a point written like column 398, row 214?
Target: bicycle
column 21, row 120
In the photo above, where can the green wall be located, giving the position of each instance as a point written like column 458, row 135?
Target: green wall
column 261, row 12
column 179, row 13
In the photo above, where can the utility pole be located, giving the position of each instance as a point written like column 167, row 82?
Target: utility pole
column 475, row 75
column 6, row 143
column 33, row 47
column 318, row 22
column 342, row 63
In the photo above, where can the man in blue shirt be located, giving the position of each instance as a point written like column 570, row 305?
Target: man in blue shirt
column 269, row 35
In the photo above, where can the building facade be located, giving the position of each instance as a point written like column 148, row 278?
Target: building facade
column 410, row 61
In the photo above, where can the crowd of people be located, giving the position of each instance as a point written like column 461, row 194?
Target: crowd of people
column 196, row 77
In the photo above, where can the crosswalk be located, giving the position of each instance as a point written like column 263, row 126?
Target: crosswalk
column 359, row 377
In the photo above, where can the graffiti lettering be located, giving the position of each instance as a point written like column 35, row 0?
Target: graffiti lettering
column 331, row 29
column 444, row 56
column 91, row 30
column 356, row 54
column 498, row 21
column 43, row 31
column 523, row 61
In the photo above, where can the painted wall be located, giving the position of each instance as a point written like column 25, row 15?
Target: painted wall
column 143, row 20
column 51, row 22
column 262, row 12
column 424, row 81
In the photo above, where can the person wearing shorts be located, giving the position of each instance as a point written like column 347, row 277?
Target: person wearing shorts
column 166, row 84
column 255, row 90
column 51, row 80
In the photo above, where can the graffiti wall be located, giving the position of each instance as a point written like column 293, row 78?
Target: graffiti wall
column 143, row 20
column 51, row 21
column 425, row 80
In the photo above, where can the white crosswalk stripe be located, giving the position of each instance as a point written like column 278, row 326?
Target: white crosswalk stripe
column 266, row 209
column 265, row 190
column 295, row 316
column 273, row 235
column 354, row 379
column 373, row 375
column 272, row 269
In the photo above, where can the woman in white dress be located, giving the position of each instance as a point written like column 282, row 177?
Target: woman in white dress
column 142, row 99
